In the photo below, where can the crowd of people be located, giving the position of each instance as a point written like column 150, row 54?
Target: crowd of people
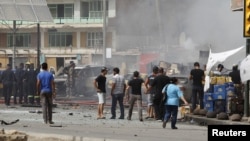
column 158, row 86
column 20, row 83
column 28, row 85
column 157, row 108
column 163, row 92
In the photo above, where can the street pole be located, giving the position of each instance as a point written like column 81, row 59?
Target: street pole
column 104, row 32
column 14, row 44
column 246, row 99
column 38, row 45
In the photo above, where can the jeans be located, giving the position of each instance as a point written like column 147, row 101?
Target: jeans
column 171, row 111
column 119, row 98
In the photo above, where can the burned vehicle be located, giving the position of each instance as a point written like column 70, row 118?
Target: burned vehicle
column 84, row 78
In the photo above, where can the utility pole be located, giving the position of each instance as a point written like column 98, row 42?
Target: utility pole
column 246, row 99
column 14, row 44
column 104, row 32
column 246, row 33
column 38, row 45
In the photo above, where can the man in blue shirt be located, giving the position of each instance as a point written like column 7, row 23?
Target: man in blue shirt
column 46, row 90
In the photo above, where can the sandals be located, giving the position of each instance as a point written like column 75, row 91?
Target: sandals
column 101, row 118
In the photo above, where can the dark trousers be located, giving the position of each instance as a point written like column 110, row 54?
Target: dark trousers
column 7, row 91
column 31, row 92
column 158, row 107
column 25, row 92
column 47, row 103
column 20, row 92
column 171, row 111
column 119, row 98
column 14, row 91
column 197, row 91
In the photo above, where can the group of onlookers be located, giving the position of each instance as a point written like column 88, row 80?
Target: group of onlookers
column 159, row 109
column 163, row 93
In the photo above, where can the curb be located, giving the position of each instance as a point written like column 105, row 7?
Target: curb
column 203, row 120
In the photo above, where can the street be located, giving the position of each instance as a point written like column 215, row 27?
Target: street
column 75, row 122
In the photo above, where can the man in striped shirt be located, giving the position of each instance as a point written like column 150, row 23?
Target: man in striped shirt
column 117, row 93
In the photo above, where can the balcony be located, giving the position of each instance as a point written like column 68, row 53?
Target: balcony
column 63, row 20
column 84, row 20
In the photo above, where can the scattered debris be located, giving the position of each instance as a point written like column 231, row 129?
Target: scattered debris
column 54, row 125
column 13, row 135
column 10, row 123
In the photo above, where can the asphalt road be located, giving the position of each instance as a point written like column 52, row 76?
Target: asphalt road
column 75, row 122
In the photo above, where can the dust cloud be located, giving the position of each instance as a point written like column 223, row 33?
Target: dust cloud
column 179, row 29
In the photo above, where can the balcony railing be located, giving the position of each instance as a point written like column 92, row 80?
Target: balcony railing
column 85, row 20
column 63, row 20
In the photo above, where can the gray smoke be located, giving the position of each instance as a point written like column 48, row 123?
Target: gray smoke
column 191, row 25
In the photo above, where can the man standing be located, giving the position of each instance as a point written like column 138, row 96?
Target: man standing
column 136, row 95
column 26, row 82
column 151, row 94
column 46, row 89
column 117, row 93
column 19, row 76
column 100, row 85
column 32, row 84
column 236, row 79
column 197, row 75
column 8, row 78
column 159, row 82
column 71, row 80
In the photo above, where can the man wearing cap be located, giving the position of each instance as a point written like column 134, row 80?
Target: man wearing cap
column 100, row 86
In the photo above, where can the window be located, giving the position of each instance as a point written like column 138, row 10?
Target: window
column 22, row 39
column 60, row 39
column 61, row 10
column 95, row 39
column 93, row 8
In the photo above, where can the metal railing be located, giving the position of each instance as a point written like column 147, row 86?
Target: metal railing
column 62, row 20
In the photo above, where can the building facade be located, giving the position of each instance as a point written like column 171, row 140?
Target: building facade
column 75, row 34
